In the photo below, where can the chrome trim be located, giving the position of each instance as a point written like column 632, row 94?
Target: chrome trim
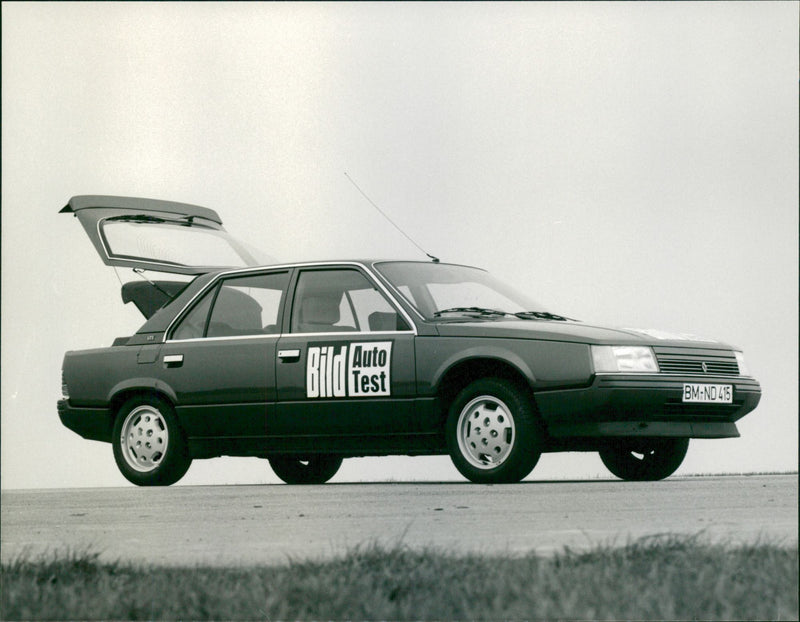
column 693, row 377
column 205, row 289
column 110, row 257
column 225, row 338
column 173, row 358
column 377, row 279
column 346, row 333
column 289, row 354
column 64, row 387
column 377, row 272
column 165, row 264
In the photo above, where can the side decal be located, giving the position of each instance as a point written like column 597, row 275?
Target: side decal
column 349, row 370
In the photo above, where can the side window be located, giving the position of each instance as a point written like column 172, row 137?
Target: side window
column 193, row 325
column 341, row 301
column 248, row 305
column 374, row 312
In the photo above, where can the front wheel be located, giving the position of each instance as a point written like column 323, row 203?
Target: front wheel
column 310, row 470
column 149, row 445
column 645, row 460
column 493, row 433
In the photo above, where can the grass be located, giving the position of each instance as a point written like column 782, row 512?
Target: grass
column 668, row 577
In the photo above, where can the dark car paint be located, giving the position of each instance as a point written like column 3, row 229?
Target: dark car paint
column 235, row 396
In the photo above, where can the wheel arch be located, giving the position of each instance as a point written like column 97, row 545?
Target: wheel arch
column 462, row 372
column 145, row 387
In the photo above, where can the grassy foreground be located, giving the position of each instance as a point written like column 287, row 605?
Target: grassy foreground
column 654, row 578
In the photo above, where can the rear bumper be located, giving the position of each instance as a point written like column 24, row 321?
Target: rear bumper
column 94, row 424
column 645, row 405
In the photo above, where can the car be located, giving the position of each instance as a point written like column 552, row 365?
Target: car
column 309, row 363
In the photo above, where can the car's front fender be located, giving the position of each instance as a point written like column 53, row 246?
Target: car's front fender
column 543, row 364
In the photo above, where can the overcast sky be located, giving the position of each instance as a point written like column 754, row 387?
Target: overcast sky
column 629, row 164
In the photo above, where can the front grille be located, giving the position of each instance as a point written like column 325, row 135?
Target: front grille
column 677, row 361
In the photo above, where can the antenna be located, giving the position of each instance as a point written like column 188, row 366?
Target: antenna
column 381, row 212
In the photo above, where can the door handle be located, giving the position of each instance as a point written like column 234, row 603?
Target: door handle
column 288, row 354
column 173, row 360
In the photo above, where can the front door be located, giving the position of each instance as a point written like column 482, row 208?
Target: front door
column 346, row 364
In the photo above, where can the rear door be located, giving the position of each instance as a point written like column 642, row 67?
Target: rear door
column 345, row 363
column 219, row 357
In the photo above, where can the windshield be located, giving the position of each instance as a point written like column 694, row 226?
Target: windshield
column 434, row 288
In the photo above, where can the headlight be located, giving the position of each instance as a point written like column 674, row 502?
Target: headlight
column 624, row 359
column 64, row 389
column 743, row 369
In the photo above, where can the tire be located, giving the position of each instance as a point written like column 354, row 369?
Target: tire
column 149, row 446
column 646, row 459
column 305, row 470
column 493, row 432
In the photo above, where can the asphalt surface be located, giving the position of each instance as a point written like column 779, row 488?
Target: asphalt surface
column 232, row 525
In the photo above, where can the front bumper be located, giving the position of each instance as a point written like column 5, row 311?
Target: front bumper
column 94, row 424
column 617, row 405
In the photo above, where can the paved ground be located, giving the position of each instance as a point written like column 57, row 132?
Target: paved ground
column 269, row 524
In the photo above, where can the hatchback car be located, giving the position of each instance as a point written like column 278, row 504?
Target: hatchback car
column 306, row 364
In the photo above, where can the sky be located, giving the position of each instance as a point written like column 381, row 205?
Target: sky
column 628, row 164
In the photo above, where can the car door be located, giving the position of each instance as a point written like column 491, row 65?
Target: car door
column 219, row 358
column 345, row 362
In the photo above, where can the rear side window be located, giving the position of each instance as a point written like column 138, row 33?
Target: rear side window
column 193, row 325
column 240, row 306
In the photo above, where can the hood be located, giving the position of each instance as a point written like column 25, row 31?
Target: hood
column 149, row 234
column 577, row 332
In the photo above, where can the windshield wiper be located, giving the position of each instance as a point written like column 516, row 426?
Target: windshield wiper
column 523, row 315
column 183, row 221
column 478, row 310
column 542, row 315
column 137, row 218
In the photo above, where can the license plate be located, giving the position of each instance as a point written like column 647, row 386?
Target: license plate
column 708, row 393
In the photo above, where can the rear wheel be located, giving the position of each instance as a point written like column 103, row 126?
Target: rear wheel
column 149, row 445
column 493, row 433
column 646, row 459
column 306, row 470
